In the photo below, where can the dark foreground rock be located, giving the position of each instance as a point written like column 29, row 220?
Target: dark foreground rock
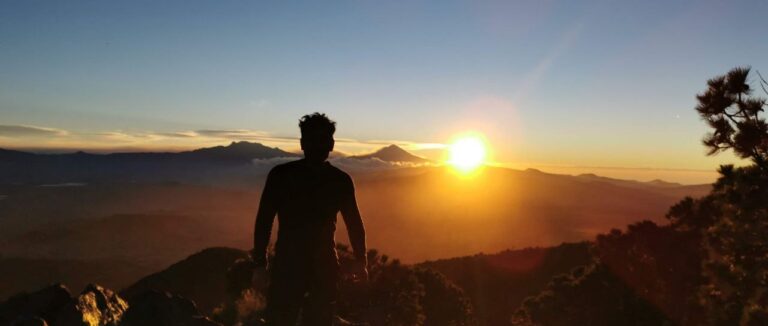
column 162, row 308
column 29, row 321
column 45, row 304
column 98, row 306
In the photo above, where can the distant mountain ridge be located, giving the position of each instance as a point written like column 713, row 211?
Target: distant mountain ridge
column 655, row 182
column 225, row 165
column 235, row 151
column 200, row 165
column 393, row 153
column 242, row 150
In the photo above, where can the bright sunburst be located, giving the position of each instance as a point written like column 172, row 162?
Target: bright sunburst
column 467, row 153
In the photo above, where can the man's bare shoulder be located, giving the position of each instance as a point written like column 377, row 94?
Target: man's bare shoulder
column 284, row 167
column 340, row 174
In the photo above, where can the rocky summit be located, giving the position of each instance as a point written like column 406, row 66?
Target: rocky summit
column 98, row 306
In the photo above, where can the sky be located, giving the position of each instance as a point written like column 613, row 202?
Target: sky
column 565, row 86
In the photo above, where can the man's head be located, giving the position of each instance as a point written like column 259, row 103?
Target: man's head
column 317, row 136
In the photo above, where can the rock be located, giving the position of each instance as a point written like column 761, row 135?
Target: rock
column 29, row 321
column 161, row 308
column 240, row 277
column 95, row 306
column 338, row 321
column 44, row 304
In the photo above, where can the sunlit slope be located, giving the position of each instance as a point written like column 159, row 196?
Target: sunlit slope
column 437, row 213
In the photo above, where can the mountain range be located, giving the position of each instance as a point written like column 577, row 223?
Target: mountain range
column 232, row 164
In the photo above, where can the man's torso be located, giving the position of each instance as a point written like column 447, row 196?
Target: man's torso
column 308, row 200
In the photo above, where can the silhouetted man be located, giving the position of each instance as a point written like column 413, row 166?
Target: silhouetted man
column 306, row 195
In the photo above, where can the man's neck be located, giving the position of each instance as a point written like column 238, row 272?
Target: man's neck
column 314, row 164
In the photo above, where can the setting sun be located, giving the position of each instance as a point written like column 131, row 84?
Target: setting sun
column 467, row 153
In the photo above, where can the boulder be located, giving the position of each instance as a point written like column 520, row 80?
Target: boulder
column 152, row 307
column 95, row 306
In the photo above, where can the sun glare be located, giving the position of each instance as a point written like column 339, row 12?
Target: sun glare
column 467, row 153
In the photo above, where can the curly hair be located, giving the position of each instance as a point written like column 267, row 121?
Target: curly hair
column 317, row 121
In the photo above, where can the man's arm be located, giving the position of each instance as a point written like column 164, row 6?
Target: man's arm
column 354, row 222
column 264, row 219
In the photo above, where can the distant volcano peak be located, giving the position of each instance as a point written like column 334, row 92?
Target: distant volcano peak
column 244, row 143
column 393, row 153
column 240, row 150
column 392, row 149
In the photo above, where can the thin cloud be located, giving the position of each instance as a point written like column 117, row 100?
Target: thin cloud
column 124, row 135
column 373, row 163
column 270, row 162
column 345, row 163
column 29, row 131
column 184, row 134
column 230, row 133
column 402, row 143
column 243, row 134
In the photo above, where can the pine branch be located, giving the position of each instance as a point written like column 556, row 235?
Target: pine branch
column 762, row 82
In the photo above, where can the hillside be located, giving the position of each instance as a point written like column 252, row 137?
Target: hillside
column 202, row 286
column 494, row 284
column 201, row 277
column 498, row 283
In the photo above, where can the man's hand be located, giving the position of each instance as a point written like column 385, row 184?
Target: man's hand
column 360, row 270
column 259, row 258
column 260, row 277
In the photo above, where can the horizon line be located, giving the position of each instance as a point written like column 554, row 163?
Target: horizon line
column 137, row 150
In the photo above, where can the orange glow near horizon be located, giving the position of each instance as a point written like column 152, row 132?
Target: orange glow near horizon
column 467, row 153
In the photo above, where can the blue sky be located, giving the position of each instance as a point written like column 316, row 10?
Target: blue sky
column 550, row 83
